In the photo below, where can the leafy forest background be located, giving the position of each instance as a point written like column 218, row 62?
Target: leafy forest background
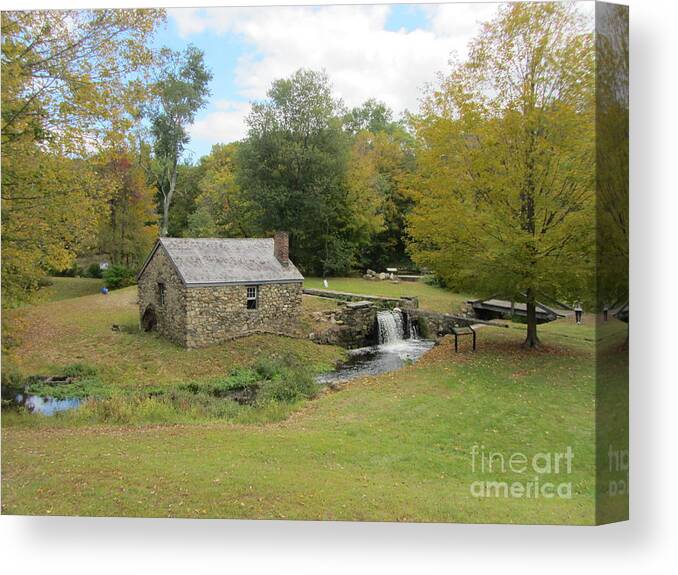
column 490, row 183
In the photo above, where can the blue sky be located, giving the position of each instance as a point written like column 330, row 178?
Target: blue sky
column 408, row 17
column 381, row 51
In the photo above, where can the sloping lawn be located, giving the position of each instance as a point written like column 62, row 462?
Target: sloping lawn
column 66, row 288
column 397, row 447
column 60, row 288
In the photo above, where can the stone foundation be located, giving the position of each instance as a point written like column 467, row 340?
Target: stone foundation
column 432, row 324
column 355, row 325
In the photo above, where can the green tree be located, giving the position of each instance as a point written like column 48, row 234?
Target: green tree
column 71, row 82
column 185, row 197
column 372, row 116
column 218, row 204
column 291, row 171
column 505, row 184
column 131, row 226
column 381, row 159
column 179, row 92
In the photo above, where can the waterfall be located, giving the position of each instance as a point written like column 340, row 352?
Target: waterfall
column 391, row 326
column 411, row 331
column 414, row 333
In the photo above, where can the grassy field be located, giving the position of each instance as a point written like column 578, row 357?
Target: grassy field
column 60, row 288
column 430, row 297
column 67, row 288
column 393, row 447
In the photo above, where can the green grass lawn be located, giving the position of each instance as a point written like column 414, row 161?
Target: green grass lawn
column 66, row 288
column 432, row 298
column 59, row 288
column 394, row 447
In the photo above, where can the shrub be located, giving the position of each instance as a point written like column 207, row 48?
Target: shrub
column 79, row 370
column 113, row 410
column 287, row 384
column 287, row 390
column 270, row 380
column 80, row 388
column 238, row 379
column 434, row 280
column 12, row 383
column 86, row 384
column 172, row 406
column 267, row 368
column 74, row 271
column 118, row 276
column 93, row 271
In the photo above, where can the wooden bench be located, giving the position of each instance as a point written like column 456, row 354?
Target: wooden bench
column 462, row 331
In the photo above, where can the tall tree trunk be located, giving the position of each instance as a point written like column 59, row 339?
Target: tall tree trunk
column 532, row 340
column 167, row 199
column 165, row 216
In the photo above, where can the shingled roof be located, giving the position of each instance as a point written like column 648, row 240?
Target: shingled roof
column 219, row 261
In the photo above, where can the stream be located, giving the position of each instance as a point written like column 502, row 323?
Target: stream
column 398, row 346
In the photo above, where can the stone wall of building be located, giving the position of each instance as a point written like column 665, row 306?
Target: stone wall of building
column 219, row 313
column 170, row 315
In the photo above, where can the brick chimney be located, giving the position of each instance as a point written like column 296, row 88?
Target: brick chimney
column 281, row 248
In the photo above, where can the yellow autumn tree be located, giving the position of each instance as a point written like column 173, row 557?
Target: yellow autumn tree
column 505, row 184
column 71, row 84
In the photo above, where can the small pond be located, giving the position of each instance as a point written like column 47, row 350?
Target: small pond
column 46, row 405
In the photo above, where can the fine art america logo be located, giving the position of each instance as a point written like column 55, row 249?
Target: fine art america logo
column 618, row 462
column 539, row 474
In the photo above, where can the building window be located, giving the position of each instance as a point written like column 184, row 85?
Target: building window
column 161, row 293
column 252, row 293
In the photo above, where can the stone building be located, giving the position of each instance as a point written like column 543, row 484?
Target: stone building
column 198, row 292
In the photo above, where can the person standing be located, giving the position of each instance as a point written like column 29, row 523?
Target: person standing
column 605, row 310
column 577, row 312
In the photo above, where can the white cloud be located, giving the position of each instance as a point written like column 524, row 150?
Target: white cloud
column 225, row 124
column 459, row 20
column 361, row 57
